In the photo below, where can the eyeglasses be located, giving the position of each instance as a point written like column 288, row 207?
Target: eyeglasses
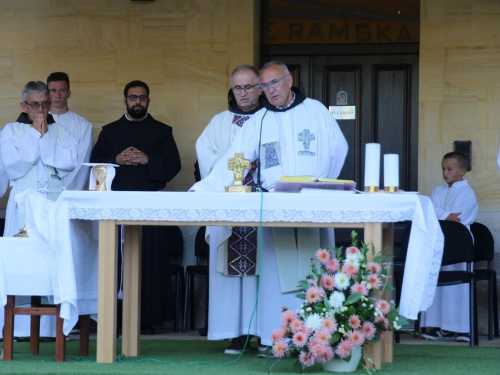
column 274, row 83
column 247, row 88
column 35, row 105
column 133, row 98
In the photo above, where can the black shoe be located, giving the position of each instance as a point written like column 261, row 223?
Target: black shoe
column 203, row 331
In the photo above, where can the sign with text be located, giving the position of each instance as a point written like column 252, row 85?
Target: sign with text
column 343, row 112
column 313, row 31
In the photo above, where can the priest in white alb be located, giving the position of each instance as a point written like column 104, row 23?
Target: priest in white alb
column 292, row 136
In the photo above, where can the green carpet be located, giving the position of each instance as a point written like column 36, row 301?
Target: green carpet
column 206, row 357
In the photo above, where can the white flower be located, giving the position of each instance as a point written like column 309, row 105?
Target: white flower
column 336, row 300
column 341, row 281
column 309, row 309
column 352, row 259
column 314, row 322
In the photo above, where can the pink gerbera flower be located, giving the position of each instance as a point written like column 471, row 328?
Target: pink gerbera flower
column 296, row 325
column 356, row 337
column 316, row 348
column 277, row 335
column 314, row 294
column 384, row 306
column 306, row 359
column 332, row 265
column 354, row 321
column 299, row 339
column 326, row 355
column 322, row 255
column 288, row 317
column 374, row 281
column 280, row 348
column 360, row 288
column 344, row 349
column 350, row 270
column 330, row 324
column 368, row 330
column 353, row 250
column 312, row 282
column 327, row 282
column 322, row 335
column 373, row 267
column 383, row 320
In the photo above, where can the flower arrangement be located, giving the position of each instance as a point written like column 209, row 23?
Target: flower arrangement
column 342, row 307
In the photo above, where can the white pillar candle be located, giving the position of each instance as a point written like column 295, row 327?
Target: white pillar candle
column 391, row 170
column 372, row 164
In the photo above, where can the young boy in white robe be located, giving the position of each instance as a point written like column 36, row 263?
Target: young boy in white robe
column 456, row 201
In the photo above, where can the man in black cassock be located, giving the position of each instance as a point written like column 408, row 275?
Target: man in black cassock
column 148, row 157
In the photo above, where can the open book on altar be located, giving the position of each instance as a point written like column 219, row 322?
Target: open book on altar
column 296, row 184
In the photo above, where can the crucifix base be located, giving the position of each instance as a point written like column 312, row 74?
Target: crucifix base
column 238, row 189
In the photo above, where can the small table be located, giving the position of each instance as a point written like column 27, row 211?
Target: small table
column 373, row 212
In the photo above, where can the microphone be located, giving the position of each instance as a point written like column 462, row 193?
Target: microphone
column 258, row 186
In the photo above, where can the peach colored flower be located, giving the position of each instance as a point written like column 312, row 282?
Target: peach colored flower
column 350, row 270
column 288, row 317
column 373, row 267
column 277, row 335
column 322, row 335
column 330, row 324
column 326, row 355
column 344, row 349
column 353, row 250
column 322, row 255
column 332, row 265
column 368, row 330
column 384, row 306
column 354, row 321
column 280, row 348
column 361, row 288
column 374, row 281
column 357, row 337
column 314, row 294
column 328, row 282
column 296, row 325
column 316, row 348
column 299, row 339
column 306, row 359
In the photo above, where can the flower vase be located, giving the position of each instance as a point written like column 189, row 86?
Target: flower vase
column 339, row 365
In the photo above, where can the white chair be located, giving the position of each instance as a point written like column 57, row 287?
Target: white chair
column 24, row 271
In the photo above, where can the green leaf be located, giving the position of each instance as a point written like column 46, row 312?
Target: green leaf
column 386, row 287
column 304, row 284
column 301, row 295
column 353, row 298
column 382, row 257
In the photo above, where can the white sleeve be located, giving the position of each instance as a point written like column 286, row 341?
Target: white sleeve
column 20, row 154
column 208, row 146
column 246, row 142
column 79, row 177
column 56, row 154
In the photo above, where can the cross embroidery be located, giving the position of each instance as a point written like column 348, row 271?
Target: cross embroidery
column 306, row 137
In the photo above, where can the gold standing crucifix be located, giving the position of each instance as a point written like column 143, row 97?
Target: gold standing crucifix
column 238, row 166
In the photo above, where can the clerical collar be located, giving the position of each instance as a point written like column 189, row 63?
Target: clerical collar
column 289, row 104
column 24, row 119
column 126, row 116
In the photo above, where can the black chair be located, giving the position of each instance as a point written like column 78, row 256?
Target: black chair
column 200, row 270
column 459, row 248
column 484, row 250
column 175, row 248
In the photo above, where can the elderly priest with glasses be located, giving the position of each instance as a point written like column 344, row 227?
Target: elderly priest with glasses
column 292, row 136
column 37, row 152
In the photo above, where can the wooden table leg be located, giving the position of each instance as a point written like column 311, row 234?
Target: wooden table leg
column 382, row 237
column 132, row 290
column 108, row 259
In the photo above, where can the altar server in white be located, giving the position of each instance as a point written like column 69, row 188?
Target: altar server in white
column 79, row 128
column 291, row 136
column 37, row 153
column 244, row 101
column 456, row 201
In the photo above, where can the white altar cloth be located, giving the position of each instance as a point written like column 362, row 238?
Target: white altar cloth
column 424, row 249
column 67, row 252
